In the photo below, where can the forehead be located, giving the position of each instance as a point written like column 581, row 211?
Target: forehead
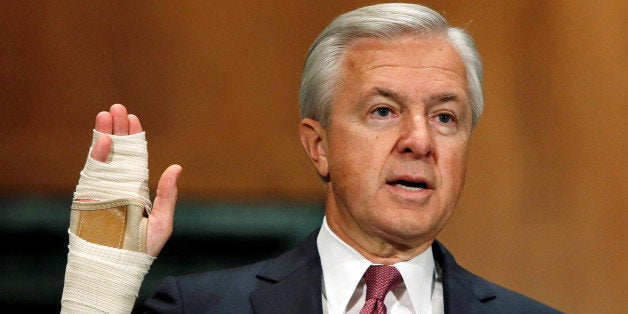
column 407, row 51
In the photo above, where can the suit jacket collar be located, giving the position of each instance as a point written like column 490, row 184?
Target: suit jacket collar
column 295, row 282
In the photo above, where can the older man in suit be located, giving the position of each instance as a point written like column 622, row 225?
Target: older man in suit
column 389, row 97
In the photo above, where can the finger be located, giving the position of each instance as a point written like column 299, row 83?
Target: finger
column 134, row 124
column 101, row 148
column 120, row 119
column 104, row 122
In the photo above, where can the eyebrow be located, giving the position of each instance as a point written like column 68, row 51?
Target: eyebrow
column 387, row 93
column 445, row 97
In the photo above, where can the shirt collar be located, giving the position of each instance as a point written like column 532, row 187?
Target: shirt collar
column 343, row 268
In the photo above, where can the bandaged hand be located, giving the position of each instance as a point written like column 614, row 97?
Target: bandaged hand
column 116, row 169
column 114, row 233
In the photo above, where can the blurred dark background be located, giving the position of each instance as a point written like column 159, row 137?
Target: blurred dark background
column 215, row 84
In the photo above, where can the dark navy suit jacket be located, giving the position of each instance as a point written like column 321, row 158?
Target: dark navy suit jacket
column 291, row 283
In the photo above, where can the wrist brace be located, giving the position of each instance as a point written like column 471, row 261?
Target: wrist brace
column 111, row 204
column 106, row 261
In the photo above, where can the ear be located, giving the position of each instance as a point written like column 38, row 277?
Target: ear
column 314, row 140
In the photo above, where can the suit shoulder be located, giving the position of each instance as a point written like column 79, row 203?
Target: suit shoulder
column 206, row 290
column 236, row 280
column 465, row 291
column 511, row 301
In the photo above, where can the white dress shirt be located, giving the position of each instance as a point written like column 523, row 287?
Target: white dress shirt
column 344, row 289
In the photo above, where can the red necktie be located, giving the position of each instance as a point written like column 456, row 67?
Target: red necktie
column 379, row 280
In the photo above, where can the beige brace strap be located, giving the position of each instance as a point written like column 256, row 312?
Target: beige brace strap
column 119, row 224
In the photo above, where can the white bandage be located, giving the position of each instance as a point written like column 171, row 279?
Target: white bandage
column 123, row 175
column 102, row 279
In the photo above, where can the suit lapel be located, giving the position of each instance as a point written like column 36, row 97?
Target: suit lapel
column 294, row 282
column 463, row 292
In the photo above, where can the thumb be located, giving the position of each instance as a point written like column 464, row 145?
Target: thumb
column 161, row 220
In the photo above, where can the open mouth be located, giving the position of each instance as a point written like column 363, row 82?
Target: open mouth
column 409, row 185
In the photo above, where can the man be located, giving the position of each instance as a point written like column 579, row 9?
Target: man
column 389, row 97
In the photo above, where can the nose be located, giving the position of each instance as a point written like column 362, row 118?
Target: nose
column 415, row 137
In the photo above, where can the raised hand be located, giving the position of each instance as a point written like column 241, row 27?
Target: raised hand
column 117, row 121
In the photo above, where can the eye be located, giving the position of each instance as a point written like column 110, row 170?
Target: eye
column 382, row 112
column 445, row 118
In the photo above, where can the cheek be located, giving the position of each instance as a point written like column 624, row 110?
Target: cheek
column 348, row 162
column 454, row 166
column 356, row 161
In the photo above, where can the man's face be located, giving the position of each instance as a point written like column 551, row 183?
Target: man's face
column 395, row 150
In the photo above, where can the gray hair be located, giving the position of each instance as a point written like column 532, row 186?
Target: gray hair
column 322, row 69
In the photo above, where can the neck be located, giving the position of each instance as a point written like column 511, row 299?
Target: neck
column 378, row 250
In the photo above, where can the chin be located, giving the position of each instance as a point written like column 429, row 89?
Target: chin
column 410, row 233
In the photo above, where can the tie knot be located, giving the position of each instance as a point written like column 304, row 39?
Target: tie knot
column 380, row 279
